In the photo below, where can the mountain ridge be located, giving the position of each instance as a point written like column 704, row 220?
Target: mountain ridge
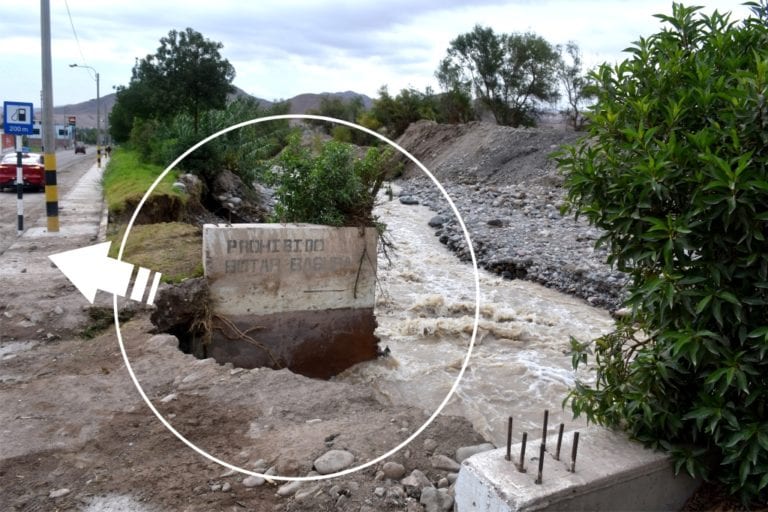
column 85, row 112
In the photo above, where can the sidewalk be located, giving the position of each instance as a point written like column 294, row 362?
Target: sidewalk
column 37, row 301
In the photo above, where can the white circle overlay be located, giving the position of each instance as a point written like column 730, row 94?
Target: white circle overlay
column 434, row 414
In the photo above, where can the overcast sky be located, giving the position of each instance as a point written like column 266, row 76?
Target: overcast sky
column 286, row 47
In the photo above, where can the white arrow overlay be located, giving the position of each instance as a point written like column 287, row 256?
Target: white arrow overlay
column 91, row 269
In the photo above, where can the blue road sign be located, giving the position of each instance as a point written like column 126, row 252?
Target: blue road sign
column 17, row 118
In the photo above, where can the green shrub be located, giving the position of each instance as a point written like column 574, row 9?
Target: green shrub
column 342, row 133
column 332, row 187
column 241, row 151
column 675, row 171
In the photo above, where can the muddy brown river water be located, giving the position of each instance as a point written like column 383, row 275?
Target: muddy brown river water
column 520, row 364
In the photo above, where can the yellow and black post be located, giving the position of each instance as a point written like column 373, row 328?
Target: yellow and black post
column 51, row 192
column 49, row 142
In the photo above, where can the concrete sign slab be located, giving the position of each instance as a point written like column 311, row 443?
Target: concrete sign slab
column 291, row 295
column 269, row 268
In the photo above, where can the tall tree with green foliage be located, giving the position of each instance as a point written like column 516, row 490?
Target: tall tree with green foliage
column 131, row 103
column 575, row 83
column 456, row 99
column 509, row 73
column 675, row 171
column 187, row 74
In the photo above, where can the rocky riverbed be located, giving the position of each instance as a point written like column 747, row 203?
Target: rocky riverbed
column 509, row 193
column 517, row 231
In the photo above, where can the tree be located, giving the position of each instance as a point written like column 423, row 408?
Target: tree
column 509, row 73
column 576, row 84
column 675, row 171
column 133, row 102
column 456, row 100
column 394, row 114
column 186, row 74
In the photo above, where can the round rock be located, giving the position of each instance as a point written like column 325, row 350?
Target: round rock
column 468, row 451
column 436, row 221
column 393, row 470
column 288, row 489
column 253, row 481
column 333, row 461
column 444, row 463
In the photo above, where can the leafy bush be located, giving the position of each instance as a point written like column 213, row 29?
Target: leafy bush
column 332, row 187
column 391, row 115
column 241, row 151
column 675, row 171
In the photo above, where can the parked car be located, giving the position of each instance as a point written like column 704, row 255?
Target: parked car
column 79, row 148
column 32, row 170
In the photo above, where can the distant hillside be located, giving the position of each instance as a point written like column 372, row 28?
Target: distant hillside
column 239, row 93
column 304, row 102
column 86, row 111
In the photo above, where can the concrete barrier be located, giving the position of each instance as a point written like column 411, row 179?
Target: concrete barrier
column 612, row 474
column 299, row 296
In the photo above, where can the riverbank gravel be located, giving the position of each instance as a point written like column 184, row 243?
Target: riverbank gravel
column 518, row 232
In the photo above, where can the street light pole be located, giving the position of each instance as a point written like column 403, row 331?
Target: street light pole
column 98, row 113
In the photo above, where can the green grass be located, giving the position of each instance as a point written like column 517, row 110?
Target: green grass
column 172, row 248
column 126, row 179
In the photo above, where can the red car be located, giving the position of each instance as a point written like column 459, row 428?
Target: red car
column 32, row 168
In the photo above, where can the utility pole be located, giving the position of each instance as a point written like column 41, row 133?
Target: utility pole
column 98, row 113
column 49, row 142
column 98, row 123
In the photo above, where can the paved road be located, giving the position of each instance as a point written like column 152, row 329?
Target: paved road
column 70, row 168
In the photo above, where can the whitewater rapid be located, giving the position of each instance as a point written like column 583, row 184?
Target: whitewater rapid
column 425, row 308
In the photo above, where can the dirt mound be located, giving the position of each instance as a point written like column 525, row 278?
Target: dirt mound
column 486, row 153
column 157, row 208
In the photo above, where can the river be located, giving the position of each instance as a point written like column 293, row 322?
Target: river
column 425, row 307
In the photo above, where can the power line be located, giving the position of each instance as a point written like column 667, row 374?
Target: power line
column 77, row 40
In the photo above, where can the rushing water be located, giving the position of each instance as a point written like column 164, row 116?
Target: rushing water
column 425, row 309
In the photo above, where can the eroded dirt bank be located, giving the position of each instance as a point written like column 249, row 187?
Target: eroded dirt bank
column 74, row 427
